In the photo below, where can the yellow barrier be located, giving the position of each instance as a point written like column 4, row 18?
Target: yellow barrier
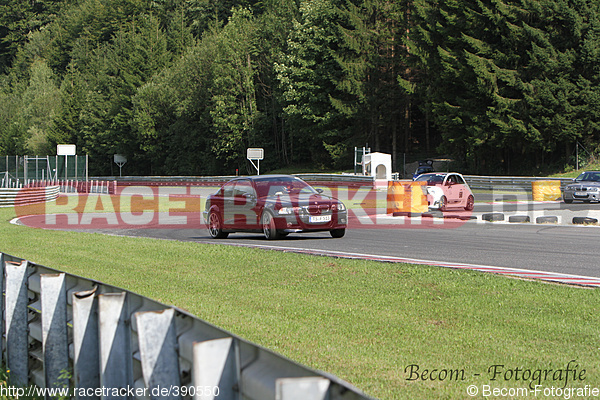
column 546, row 190
column 395, row 197
column 406, row 197
column 418, row 201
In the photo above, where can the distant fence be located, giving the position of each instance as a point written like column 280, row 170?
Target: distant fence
column 64, row 331
column 20, row 169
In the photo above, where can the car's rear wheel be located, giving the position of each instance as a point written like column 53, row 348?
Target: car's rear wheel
column 268, row 226
column 215, row 227
column 470, row 203
column 338, row 233
column 443, row 203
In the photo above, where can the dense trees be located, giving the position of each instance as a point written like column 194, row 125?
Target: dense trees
column 508, row 83
column 185, row 86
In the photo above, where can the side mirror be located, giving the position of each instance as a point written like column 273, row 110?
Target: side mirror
column 319, row 190
column 249, row 197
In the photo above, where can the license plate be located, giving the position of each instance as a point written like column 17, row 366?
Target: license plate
column 319, row 218
column 580, row 194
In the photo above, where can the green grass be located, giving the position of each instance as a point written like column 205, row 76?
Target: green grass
column 363, row 321
column 572, row 173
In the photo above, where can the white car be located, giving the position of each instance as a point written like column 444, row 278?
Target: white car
column 446, row 190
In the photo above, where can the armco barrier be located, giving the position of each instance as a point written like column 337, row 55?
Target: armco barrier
column 508, row 182
column 21, row 196
column 475, row 182
column 113, row 343
column 45, row 191
column 313, row 179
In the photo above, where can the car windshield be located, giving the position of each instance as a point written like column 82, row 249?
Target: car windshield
column 589, row 176
column 431, row 178
column 282, row 185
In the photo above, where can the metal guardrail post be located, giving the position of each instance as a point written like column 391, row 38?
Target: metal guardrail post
column 86, row 366
column 16, row 322
column 158, row 352
column 216, row 365
column 54, row 330
column 115, row 346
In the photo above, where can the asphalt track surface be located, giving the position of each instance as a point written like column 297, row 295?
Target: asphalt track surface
column 561, row 249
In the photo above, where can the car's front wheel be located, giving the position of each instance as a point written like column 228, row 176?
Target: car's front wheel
column 568, row 201
column 215, row 227
column 443, row 203
column 268, row 226
column 337, row 233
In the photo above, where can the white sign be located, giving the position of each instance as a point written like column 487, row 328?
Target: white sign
column 255, row 154
column 120, row 159
column 66, row 150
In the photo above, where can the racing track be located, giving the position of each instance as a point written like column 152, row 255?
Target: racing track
column 554, row 249
column 557, row 249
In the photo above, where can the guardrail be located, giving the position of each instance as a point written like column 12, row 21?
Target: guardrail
column 108, row 184
column 13, row 196
column 100, row 341
column 474, row 181
column 508, row 183
column 341, row 179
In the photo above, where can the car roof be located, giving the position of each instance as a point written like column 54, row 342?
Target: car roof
column 271, row 176
column 441, row 173
column 265, row 177
column 589, row 174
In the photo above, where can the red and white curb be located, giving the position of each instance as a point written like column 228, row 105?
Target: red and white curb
column 514, row 272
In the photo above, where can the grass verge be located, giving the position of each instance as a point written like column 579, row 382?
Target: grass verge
column 369, row 323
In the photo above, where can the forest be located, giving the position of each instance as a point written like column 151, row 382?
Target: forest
column 184, row 87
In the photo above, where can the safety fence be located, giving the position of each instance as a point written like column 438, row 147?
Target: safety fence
column 102, row 342
column 23, row 168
